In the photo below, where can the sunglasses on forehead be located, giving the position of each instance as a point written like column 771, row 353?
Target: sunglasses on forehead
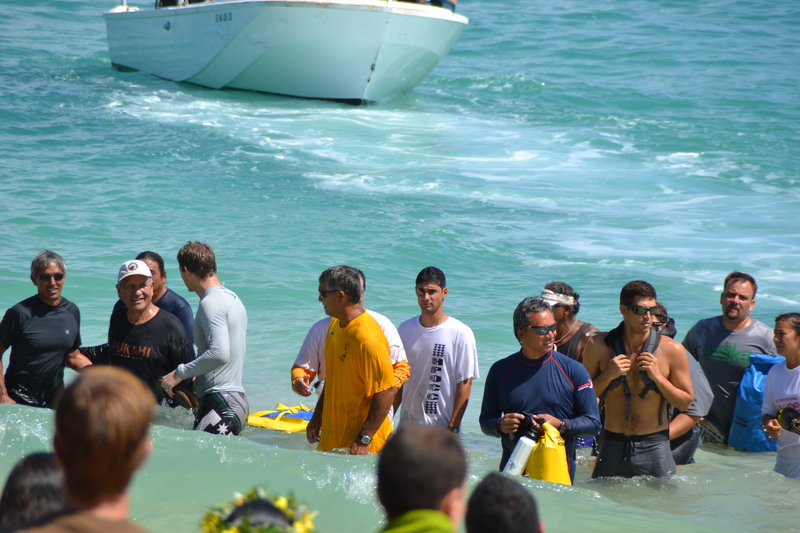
column 47, row 277
column 642, row 310
column 542, row 330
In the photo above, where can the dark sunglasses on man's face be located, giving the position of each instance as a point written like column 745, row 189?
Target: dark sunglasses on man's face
column 641, row 310
column 542, row 330
column 46, row 277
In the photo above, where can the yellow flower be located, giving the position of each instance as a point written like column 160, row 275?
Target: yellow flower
column 210, row 522
column 282, row 503
column 214, row 520
column 305, row 524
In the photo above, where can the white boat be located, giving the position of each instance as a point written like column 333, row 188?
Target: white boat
column 352, row 50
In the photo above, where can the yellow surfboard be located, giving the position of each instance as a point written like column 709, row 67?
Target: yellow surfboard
column 282, row 418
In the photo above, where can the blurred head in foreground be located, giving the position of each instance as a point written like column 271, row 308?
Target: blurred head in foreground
column 422, row 468
column 34, row 491
column 101, row 438
column 501, row 505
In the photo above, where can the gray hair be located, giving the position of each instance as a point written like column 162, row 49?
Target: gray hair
column 43, row 259
column 531, row 304
column 346, row 279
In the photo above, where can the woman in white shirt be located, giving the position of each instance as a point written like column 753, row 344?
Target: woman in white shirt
column 782, row 390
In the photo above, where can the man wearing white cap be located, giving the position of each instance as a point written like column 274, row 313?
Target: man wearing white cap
column 142, row 338
column 571, row 333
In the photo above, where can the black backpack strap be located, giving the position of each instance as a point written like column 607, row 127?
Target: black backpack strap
column 614, row 340
column 650, row 346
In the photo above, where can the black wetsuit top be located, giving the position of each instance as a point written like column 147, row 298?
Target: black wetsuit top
column 40, row 337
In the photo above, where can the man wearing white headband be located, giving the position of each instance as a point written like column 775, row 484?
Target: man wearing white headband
column 142, row 338
column 571, row 334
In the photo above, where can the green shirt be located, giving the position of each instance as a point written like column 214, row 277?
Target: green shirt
column 420, row 521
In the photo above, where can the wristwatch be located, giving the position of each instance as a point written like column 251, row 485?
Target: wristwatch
column 364, row 440
column 452, row 429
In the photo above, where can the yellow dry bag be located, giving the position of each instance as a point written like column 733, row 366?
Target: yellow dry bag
column 548, row 460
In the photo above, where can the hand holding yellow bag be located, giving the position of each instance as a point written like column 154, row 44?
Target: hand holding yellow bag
column 548, row 460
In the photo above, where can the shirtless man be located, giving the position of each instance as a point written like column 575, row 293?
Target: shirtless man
column 635, row 437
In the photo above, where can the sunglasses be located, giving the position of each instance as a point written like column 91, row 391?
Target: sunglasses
column 662, row 319
column 542, row 330
column 47, row 277
column 642, row 310
column 323, row 294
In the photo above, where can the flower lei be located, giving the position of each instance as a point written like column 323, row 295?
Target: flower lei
column 300, row 519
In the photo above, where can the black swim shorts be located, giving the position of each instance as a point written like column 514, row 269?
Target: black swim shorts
column 634, row 455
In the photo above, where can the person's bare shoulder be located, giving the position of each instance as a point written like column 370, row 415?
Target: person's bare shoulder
column 597, row 341
column 672, row 349
column 596, row 354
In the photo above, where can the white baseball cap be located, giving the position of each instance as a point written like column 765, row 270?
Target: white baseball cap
column 133, row 268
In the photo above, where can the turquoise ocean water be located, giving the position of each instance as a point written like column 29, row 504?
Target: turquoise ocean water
column 590, row 142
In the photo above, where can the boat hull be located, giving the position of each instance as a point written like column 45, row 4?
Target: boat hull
column 363, row 50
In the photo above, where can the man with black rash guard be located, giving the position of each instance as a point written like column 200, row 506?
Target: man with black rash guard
column 40, row 331
column 142, row 338
column 540, row 381
column 164, row 297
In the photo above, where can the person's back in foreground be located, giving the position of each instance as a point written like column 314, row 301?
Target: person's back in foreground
column 101, row 438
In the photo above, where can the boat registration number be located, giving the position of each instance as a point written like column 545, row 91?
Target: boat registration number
column 223, row 17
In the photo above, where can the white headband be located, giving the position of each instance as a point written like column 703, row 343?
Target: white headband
column 553, row 298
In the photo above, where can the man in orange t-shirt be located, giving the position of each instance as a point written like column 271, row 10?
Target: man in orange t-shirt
column 352, row 411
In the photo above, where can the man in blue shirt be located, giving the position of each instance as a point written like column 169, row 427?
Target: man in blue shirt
column 538, row 380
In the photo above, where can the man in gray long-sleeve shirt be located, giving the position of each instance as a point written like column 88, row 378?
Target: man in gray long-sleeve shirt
column 220, row 333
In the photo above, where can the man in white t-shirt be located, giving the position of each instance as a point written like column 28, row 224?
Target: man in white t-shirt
column 443, row 357
column 310, row 362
